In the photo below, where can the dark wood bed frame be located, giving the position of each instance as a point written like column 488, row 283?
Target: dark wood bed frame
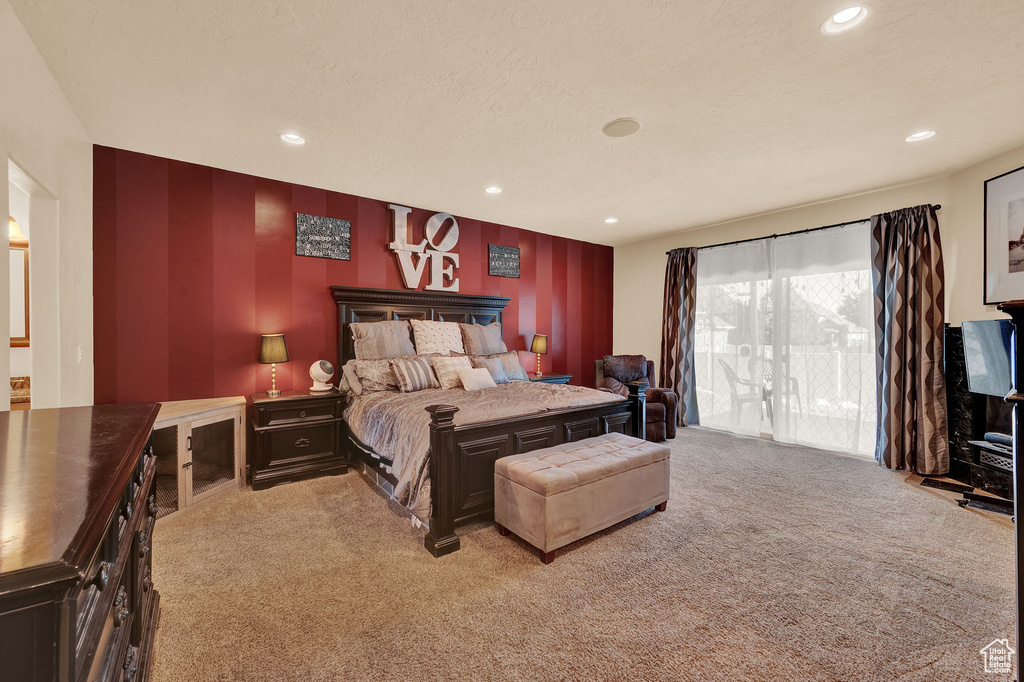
column 462, row 457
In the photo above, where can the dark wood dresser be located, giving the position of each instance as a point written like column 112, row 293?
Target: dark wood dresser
column 77, row 602
column 297, row 435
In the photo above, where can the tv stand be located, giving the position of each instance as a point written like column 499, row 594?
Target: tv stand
column 973, row 460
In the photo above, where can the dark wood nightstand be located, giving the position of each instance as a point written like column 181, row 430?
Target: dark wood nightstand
column 552, row 378
column 298, row 435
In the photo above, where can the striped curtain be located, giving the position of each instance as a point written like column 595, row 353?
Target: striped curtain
column 907, row 274
column 677, row 333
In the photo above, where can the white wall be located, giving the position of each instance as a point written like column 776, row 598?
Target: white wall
column 640, row 266
column 41, row 133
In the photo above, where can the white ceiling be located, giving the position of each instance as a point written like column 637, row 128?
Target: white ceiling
column 746, row 106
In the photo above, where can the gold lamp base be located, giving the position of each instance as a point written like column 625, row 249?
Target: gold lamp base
column 539, row 373
column 273, row 392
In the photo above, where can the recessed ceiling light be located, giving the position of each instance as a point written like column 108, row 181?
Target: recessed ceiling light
column 493, row 190
column 611, row 220
column 922, row 135
column 292, row 138
column 621, row 127
column 844, row 20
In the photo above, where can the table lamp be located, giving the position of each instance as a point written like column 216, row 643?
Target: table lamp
column 272, row 351
column 540, row 347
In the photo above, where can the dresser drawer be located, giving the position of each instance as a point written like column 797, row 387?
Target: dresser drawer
column 304, row 411
column 113, row 656
column 303, row 443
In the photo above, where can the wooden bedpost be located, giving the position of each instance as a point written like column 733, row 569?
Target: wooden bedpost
column 638, row 407
column 442, row 539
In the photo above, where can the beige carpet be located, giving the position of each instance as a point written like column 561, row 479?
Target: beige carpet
column 772, row 563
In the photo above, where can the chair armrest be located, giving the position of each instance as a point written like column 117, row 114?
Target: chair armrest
column 666, row 396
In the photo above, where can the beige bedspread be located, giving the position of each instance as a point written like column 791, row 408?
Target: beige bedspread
column 397, row 426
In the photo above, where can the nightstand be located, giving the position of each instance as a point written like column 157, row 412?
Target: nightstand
column 297, row 435
column 552, row 378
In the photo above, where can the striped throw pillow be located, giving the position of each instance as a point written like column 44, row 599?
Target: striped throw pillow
column 482, row 339
column 414, row 374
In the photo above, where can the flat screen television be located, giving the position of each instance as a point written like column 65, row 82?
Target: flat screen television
column 987, row 352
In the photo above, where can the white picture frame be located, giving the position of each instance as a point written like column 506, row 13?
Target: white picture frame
column 1004, row 237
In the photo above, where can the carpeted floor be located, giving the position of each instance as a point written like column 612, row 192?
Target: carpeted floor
column 772, row 563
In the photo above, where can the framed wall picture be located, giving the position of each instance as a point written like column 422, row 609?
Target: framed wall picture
column 502, row 261
column 1004, row 237
column 19, row 294
column 322, row 237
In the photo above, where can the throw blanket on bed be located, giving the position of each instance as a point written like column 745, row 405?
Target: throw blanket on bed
column 397, row 426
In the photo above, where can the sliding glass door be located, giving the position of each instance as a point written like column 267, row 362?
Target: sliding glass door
column 784, row 339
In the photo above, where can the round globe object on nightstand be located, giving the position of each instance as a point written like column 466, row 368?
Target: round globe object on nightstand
column 321, row 372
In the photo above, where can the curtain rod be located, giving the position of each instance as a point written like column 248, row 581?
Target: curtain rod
column 789, row 234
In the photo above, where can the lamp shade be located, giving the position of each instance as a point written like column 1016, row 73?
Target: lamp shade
column 272, row 349
column 540, row 344
column 14, row 231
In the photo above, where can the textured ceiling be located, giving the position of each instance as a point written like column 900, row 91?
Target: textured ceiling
column 746, row 106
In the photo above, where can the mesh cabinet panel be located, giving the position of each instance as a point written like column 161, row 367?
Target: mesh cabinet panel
column 213, row 455
column 165, row 447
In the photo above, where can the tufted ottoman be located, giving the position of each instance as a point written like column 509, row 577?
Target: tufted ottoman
column 557, row 495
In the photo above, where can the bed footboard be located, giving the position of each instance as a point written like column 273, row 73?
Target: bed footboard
column 462, row 457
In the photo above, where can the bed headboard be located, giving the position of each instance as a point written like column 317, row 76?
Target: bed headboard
column 356, row 304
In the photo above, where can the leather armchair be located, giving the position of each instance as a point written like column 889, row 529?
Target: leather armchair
column 613, row 372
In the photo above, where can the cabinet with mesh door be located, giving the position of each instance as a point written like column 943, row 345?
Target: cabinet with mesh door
column 198, row 446
column 297, row 435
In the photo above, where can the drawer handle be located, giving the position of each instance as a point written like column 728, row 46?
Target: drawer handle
column 153, row 508
column 302, row 443
column 129, row 662
column 302, row 413
column 120, row 607
column 102, row 576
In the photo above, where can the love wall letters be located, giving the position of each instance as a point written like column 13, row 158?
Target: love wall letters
column 434, row 249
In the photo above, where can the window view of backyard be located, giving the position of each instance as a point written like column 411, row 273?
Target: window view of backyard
column 789, row 356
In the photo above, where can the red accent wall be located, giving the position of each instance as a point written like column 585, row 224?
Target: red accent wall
column 191, row 264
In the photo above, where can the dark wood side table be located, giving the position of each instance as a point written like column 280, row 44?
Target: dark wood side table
column 297, row 435
column 552, row 378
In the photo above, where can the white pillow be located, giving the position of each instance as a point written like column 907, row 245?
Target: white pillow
column 475, row 379
column 437, row 337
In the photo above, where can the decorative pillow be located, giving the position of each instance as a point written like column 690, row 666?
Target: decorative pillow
column 414, row 374
column 475, row 379
column 483, row 339
column 348, row 373
column 510, row 361
column 437, row 337
column 376, row 375
column 448, row 370
column 494, row 366
column 375, row 340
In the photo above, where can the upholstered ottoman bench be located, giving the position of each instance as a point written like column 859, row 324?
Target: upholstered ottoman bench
column 557, row 495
